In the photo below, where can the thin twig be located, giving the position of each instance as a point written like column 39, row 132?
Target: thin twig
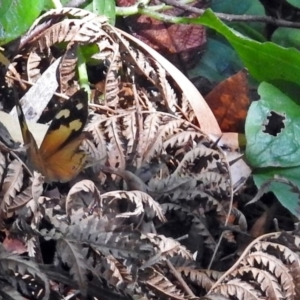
column 235, row 18
column 179, row 278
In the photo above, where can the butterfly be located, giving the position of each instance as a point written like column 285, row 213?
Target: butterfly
column 59, row 157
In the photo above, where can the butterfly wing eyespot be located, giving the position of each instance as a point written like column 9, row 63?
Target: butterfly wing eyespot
column 59, row 157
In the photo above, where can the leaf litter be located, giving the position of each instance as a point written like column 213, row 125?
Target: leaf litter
column 154, row 176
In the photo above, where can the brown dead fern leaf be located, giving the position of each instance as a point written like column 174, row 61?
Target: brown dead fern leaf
column 267, row 269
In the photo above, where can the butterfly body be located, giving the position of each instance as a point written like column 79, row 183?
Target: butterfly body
column 59, row 157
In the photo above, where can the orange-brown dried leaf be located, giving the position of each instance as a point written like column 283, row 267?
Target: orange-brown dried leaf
column 229, row 102
column 15, row 246
column 179, row 43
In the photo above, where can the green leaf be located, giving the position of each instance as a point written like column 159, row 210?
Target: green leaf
column 218, row 62
column 266, row 149
column 16, row 17
column 284, row 193
column 294, row 3
column 265, row 61
column 236, row 7
column 104, row 8
column 287, row 37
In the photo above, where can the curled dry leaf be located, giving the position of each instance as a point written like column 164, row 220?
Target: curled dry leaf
column 143, row 202
column 270, row 264
column 83, row 194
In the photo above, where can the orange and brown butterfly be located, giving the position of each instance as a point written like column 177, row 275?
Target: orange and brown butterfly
column 59, row 157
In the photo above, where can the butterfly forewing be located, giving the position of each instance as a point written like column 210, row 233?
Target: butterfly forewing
column 29, row 142
column 67, row 125
column 59, row 157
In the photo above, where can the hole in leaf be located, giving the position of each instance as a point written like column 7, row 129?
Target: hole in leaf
column 274, row 123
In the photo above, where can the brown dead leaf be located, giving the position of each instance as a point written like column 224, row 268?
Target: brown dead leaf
column 229, row 102
column 262, row 224
column 179, row 43
column 259, row 227
column 14, row 245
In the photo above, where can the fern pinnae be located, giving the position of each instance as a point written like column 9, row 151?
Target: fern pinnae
column 158, row 282
column 132, row 196
column 282, row 251
column 67, row 68
column 200, row 152
column 12, row 183
column 2, row 164
column 198, row 277
column 70, row 254
column 267, row 282
column 116, row 146
column 276, row 267
column 182, row 138
column 95, row 127
column 8, row 292
column 164, row 131
column 151, row 126
column 241, row 290
column 167, row 92
column 154, row 206
column 21, row 199
column 113, row 271
column 169, row 247
column 33, row 66
column 16, row 264
column 111, row 89
column 130, row 131
column 134, row 57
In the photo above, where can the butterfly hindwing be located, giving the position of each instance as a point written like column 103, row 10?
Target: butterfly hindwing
column 67, row 162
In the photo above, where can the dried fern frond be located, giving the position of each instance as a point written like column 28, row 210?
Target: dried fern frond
column 70, row 253
column 264, row 270
column 104, row 237
column 158, row 284
column 169, row 247
column 203, row 279
column 9, row 292
column 12, row 266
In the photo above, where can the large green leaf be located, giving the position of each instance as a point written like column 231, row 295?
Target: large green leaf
column 294, row 3
column 287, row 196
column 280, row 145
column 17, row 16
column 265, row 61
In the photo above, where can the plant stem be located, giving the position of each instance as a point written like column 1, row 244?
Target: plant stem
column 142, row 8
